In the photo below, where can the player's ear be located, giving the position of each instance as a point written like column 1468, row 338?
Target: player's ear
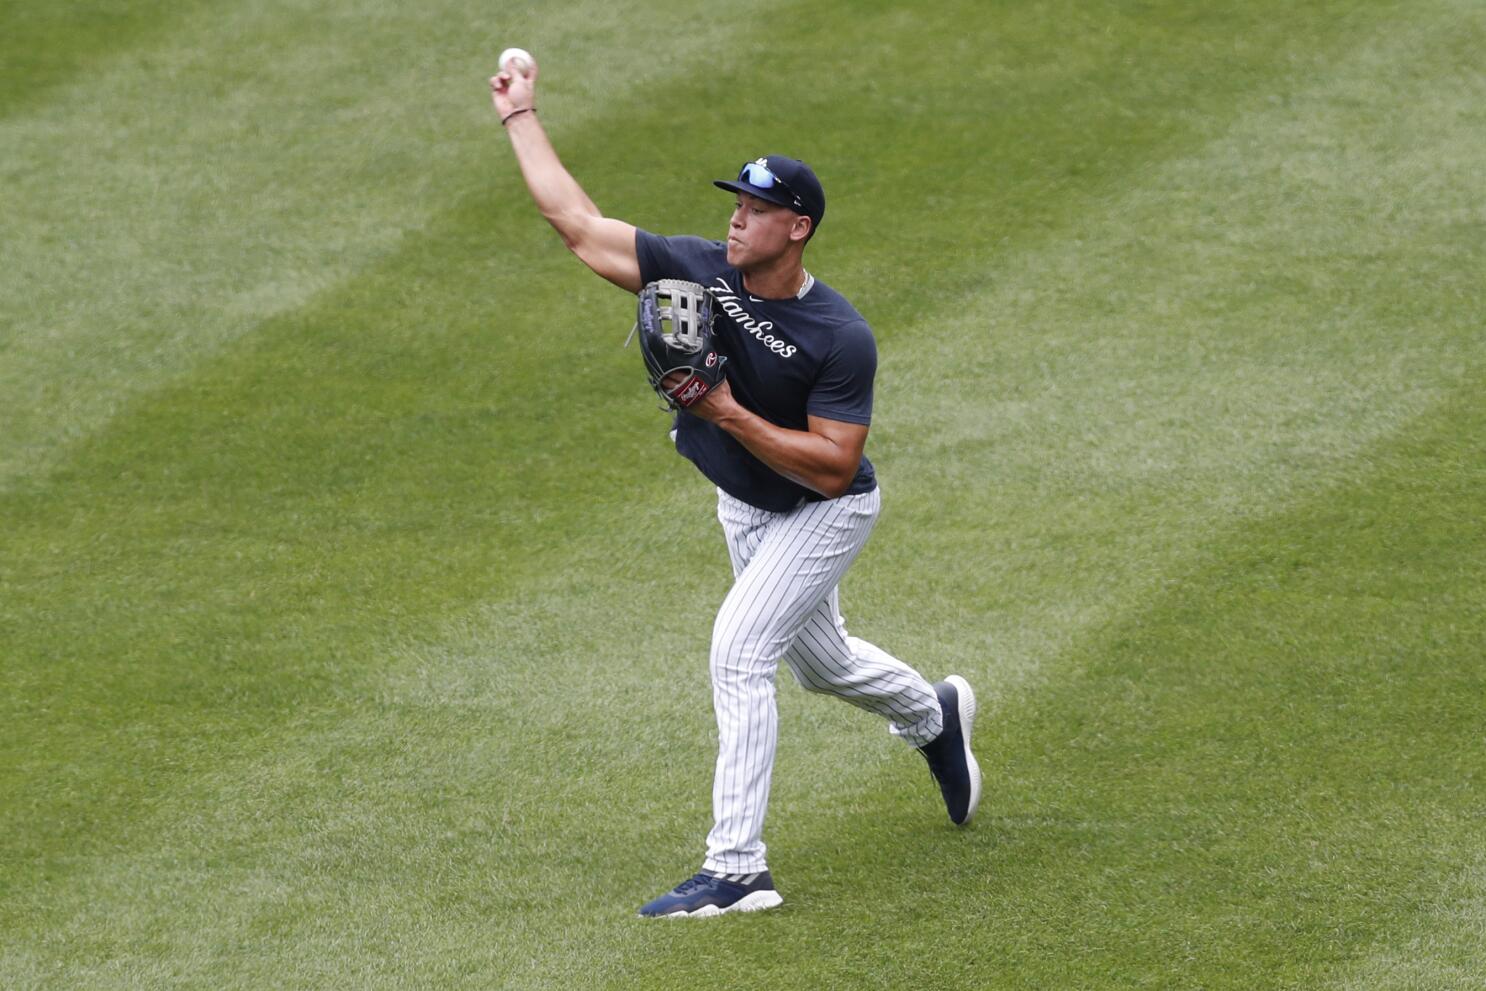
column 801, row 230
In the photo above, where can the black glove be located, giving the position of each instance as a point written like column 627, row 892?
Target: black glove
column 675, row 324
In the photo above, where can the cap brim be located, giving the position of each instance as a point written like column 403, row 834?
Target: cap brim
column 768, row 195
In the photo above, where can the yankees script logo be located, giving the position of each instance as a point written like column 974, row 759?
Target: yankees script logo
column 723, row 293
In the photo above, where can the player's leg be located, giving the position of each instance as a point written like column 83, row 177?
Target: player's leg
column 824, row 659
column 785, row 565
column 937, row 719
column 788, row 563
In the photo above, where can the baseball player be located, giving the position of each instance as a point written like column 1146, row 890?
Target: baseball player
column 782, row 439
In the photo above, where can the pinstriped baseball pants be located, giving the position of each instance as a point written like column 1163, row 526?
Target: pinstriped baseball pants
column 784, row 605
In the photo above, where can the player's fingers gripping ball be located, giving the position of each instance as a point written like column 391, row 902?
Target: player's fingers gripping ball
column 513, row 86
column 682, row 360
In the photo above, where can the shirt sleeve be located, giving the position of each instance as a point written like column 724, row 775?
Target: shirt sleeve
column 843, row 390
column 692, row 258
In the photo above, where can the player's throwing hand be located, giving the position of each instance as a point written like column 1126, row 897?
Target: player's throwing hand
column 513, row 88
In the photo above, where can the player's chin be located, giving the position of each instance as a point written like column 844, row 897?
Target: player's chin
column 737, row 254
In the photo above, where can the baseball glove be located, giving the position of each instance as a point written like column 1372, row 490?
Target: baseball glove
column 674, row 321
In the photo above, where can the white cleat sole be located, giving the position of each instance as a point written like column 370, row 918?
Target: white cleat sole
column 967, row 723
column 756, row 902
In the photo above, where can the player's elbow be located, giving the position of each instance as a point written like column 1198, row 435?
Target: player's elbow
column 606, row 248
column 571, row 228
column 838, row 448
column 837, row 483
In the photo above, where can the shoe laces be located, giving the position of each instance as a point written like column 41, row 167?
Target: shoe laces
column 693, row 883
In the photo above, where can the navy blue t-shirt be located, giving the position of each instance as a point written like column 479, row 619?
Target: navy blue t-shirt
column 810, row 355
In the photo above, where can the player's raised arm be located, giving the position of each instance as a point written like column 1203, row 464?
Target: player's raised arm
column 603, row 244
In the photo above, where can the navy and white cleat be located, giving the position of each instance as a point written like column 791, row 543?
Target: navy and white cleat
column 948, row 754
column 708, row 894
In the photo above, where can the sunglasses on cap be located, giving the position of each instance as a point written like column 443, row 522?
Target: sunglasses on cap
column 757, row 174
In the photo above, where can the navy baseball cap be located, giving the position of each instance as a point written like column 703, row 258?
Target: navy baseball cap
column 788, row 182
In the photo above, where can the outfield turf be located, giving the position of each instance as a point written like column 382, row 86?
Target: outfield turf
column 354, row 613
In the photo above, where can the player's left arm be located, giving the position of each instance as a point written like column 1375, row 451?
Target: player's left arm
column 824, row 458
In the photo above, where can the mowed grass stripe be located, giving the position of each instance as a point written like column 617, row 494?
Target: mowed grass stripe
column 1284, row 739
column 560, row 879
column 1442, row 949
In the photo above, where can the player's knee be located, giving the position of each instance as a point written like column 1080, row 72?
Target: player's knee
column 737, row 653
column 730, row 652
column 821, row 670
column 818, row 687
column 804, row 678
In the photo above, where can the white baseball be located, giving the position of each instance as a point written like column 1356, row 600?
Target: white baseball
column 517, row 60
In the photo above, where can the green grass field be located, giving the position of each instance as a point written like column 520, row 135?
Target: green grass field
column 341, row 628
